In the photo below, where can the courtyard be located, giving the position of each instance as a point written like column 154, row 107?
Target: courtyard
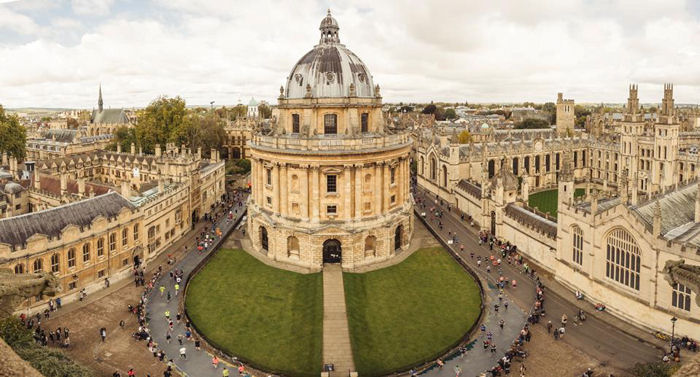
column 546, row 201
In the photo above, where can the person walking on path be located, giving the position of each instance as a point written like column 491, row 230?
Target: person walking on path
column 162, row 290
column 177, row 288
column 225, row 372
column 103, row 334
column 215, row 361
column 549, row 327
column 564, row 318
column 183, row 353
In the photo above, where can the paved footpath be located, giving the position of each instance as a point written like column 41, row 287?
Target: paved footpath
column 197, row 363
column 336, row 335
column 596, row 336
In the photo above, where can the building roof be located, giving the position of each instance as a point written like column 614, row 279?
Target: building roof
column 329, row 69
column 677, row 208
column 109, row 116
column 61, row 135
column 16, row 230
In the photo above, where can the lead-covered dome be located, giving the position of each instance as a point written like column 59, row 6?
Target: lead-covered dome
column 330, row 69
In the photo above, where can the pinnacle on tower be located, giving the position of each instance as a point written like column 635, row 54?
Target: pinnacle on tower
column 100, row 103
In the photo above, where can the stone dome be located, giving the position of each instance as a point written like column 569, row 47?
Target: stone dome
column 330, row 69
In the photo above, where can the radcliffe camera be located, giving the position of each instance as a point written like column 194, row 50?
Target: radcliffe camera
column 349, row 189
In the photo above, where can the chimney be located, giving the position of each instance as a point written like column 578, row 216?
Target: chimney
column 119, row 147
column 656, row 227
column 125, row 190
column 37, row 179
column 140, row 151
column 157, row 150
column 81, row 186
column 64, row 183
column 133, row 148
column 213, row 155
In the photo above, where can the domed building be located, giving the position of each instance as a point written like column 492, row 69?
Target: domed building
column 330, row 183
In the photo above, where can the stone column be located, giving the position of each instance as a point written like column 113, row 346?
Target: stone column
column 357, row 199
column 284, row 205
column 378, row 196
column 276, row 188
column 307, row 190
column 315, row 196
column 385, row 187
column 347, row 192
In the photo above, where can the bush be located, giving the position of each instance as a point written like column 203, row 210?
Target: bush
column 655, row 369
column 49, row 362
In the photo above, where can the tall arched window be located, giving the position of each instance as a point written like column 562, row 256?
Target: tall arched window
column 444, row 175
column 38, row 265
column 330, row 124
column 263, row 238
column 370, row 246
column 623, row 258
column 433, row 168
column 398, row 235
column 19, row 268
column 491, row 168
column 577, row 245
column 292, row 247
column 422, row 166
column 71, row 258
column 295, row 123
column 86, row 252
column 55, row 263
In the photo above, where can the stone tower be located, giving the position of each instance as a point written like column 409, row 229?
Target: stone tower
column 632, row 129
column 565, row 115
column 666, row 140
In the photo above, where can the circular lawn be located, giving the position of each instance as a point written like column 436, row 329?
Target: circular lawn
column 410, row 313
column 269, row 317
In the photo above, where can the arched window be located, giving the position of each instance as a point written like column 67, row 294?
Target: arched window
column 370, row 246
column 292, row 247
column 38, row 265
column 433, row 168
column 100, row 247
column 19, row 268
column 398, row 235
column 364, row 122
column 295, row 123
column 444, row 175
column 577, row 244
column 681, row 297
column 515, row 166
column 330, row 124
column 527, row 164
column 422, row 166
column 623, row 258
column 86, row 252
column 125, row 236
column 491, row 168
column 71, row 258
column 263, row 238
column 55, row 263
column 136, row 232
column 295, row 183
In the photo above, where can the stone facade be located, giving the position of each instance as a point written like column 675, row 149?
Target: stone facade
column 566, row 118
column 330, row 181
column 640, row 209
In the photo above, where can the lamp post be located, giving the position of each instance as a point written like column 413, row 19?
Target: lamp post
column 673, row 330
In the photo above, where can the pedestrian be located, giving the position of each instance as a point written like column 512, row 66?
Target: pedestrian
column 197, row 345
column 505, row 304
column 458, row 371
column 177, row 288
column 564, row 319
column 121, row 323
column 168, row 337
column 167, row 315
column 131, row 373
column 103, row 334
column 168, row 297
column 183, row 353
column 116, row 374
column 179, row 338
column 225, row 372
column 215, row 361
column 162, row 290
column 523, row 368
column 493, row 348
column 561, row 332
column 501, row 323
column 549, row 326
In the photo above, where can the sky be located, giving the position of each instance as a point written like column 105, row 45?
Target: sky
column 55, row 53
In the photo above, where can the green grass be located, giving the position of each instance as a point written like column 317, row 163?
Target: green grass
column 266, row 315
column 408, row 313
column 546, row 201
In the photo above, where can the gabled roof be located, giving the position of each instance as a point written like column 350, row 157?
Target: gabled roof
column 109, row 116
column 16, row 230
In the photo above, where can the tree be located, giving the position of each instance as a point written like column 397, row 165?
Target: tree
column 265, row 111
column 531, row 123
column 406, row 109
column 430, row 109
column 157, row 122
column 200, row 131
column 72, row 123
column 450, row 114
column 465, row 137
column 655, row 369
column 550, row 108
column 13, row 136
column 123, row 136
column 239, row 111
column 581, row 113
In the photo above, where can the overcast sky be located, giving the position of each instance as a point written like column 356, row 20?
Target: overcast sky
column 54, row 53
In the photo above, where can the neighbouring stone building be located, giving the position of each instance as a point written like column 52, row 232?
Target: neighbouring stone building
column 106, row 121
column 330, row 180
column 640, row 208
column 566, row 117
column 93, row 216
column 58, row 143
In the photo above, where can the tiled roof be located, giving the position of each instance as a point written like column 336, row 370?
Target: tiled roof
column 109, row 116
column 16, row 230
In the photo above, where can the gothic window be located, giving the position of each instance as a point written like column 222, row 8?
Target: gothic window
column 370, row 246
column 136, row 231
column 125, row 236
column 680, row 298
column 112, row 241
column 422, row 167
column 86, row 252
column 331, row 183
column 292, row 247
column 491, row 168
column 364, row 122
column 263, row 238
column 295, row 123
column 547, row 163
column 433, row 168
column 444, row 175
column 577, row 245
column 515, row 166
column 100, row 247
column 623, row 259
column 19, row 269
column 38, row 265
column 527, row 165
column 330, row 124
column 71, row 258
column 54, row 263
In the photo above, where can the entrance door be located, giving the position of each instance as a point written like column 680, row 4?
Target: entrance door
column 331, row 252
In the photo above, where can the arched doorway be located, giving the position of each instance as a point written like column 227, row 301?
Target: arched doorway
column 398, row 235
column 263, row 238
column 332, row 252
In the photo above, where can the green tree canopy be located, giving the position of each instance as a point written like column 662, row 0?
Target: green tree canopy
column 124, row 136
column 157, row 122
column 581, row 113
column 72, row 123
column 265, row 111
column 531, row 123
column 13, row 136
column 200, row 131
column 450, row 114
column 465, row 137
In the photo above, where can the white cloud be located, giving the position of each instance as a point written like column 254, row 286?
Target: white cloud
column 16, row 22
column 91, row 7
column 442, row 50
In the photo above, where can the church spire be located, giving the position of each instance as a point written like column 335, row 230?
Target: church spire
column 100, row 104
